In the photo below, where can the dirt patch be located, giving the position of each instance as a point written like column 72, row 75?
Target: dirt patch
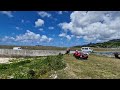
column 4, row 60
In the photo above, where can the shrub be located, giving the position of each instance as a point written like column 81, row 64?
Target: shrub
column 55, row 62
column 31, row 74
column 22, row 62
column 4, row 66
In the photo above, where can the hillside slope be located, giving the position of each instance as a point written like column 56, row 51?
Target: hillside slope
column 115, row 43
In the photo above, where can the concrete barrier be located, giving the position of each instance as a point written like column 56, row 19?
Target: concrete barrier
column 11, row 52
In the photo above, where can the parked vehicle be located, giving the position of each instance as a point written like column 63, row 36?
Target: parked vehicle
column 86, row 50
column 80, row 55
column 117, row 55
column 17, row 48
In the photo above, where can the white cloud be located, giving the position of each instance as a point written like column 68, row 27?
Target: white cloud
column 65, row 26
column 78, row 37
column 17, row 28
column 94, row 25
column 45, row 38
column 66, row 36
column 50, row 27
column 59, row 12
column 41, row 29
column 28, row 37
column 8, row 13
column 7, row 38
column 44, row 14
column 39, row 23
column 62, row 35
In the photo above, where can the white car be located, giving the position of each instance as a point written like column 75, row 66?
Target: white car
column 86, row 50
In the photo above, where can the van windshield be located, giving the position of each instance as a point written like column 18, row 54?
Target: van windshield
column 85, row 48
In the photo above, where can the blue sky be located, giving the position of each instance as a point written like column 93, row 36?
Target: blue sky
column 58, row 28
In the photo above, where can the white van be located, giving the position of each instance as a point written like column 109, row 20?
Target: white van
column 17, row 48
column 86, row 50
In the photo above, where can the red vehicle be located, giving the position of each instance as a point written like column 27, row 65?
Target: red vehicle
column 80, row 55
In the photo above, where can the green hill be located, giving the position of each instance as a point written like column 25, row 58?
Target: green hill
column 115, row 43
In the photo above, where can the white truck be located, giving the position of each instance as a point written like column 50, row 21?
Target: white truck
column 86, row 50
column 17, row 48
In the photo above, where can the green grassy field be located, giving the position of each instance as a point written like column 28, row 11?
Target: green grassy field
column 96, row 67
column 31, row 68
column 63, row 67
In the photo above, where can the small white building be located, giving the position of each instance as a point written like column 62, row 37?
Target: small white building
column 17, row 48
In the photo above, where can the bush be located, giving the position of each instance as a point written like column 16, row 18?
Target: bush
column 31, row 74
column 22, row 62
column 55, row 62
column 4, row 66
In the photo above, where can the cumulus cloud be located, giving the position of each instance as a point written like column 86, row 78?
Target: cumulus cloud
column 28, row 37
column 8, row 13
column 45, row 38
column 44, row 14
column 66, row 36
column 97, row 26
column 39, row 23
column 62, row 35
column 50, row 27
column 8, row 38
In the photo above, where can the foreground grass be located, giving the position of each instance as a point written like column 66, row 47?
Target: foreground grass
column 62, row 67
column 31, row 68
column 96, row 67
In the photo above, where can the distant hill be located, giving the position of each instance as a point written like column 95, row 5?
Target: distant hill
column 37, row 47
column 115, row 43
